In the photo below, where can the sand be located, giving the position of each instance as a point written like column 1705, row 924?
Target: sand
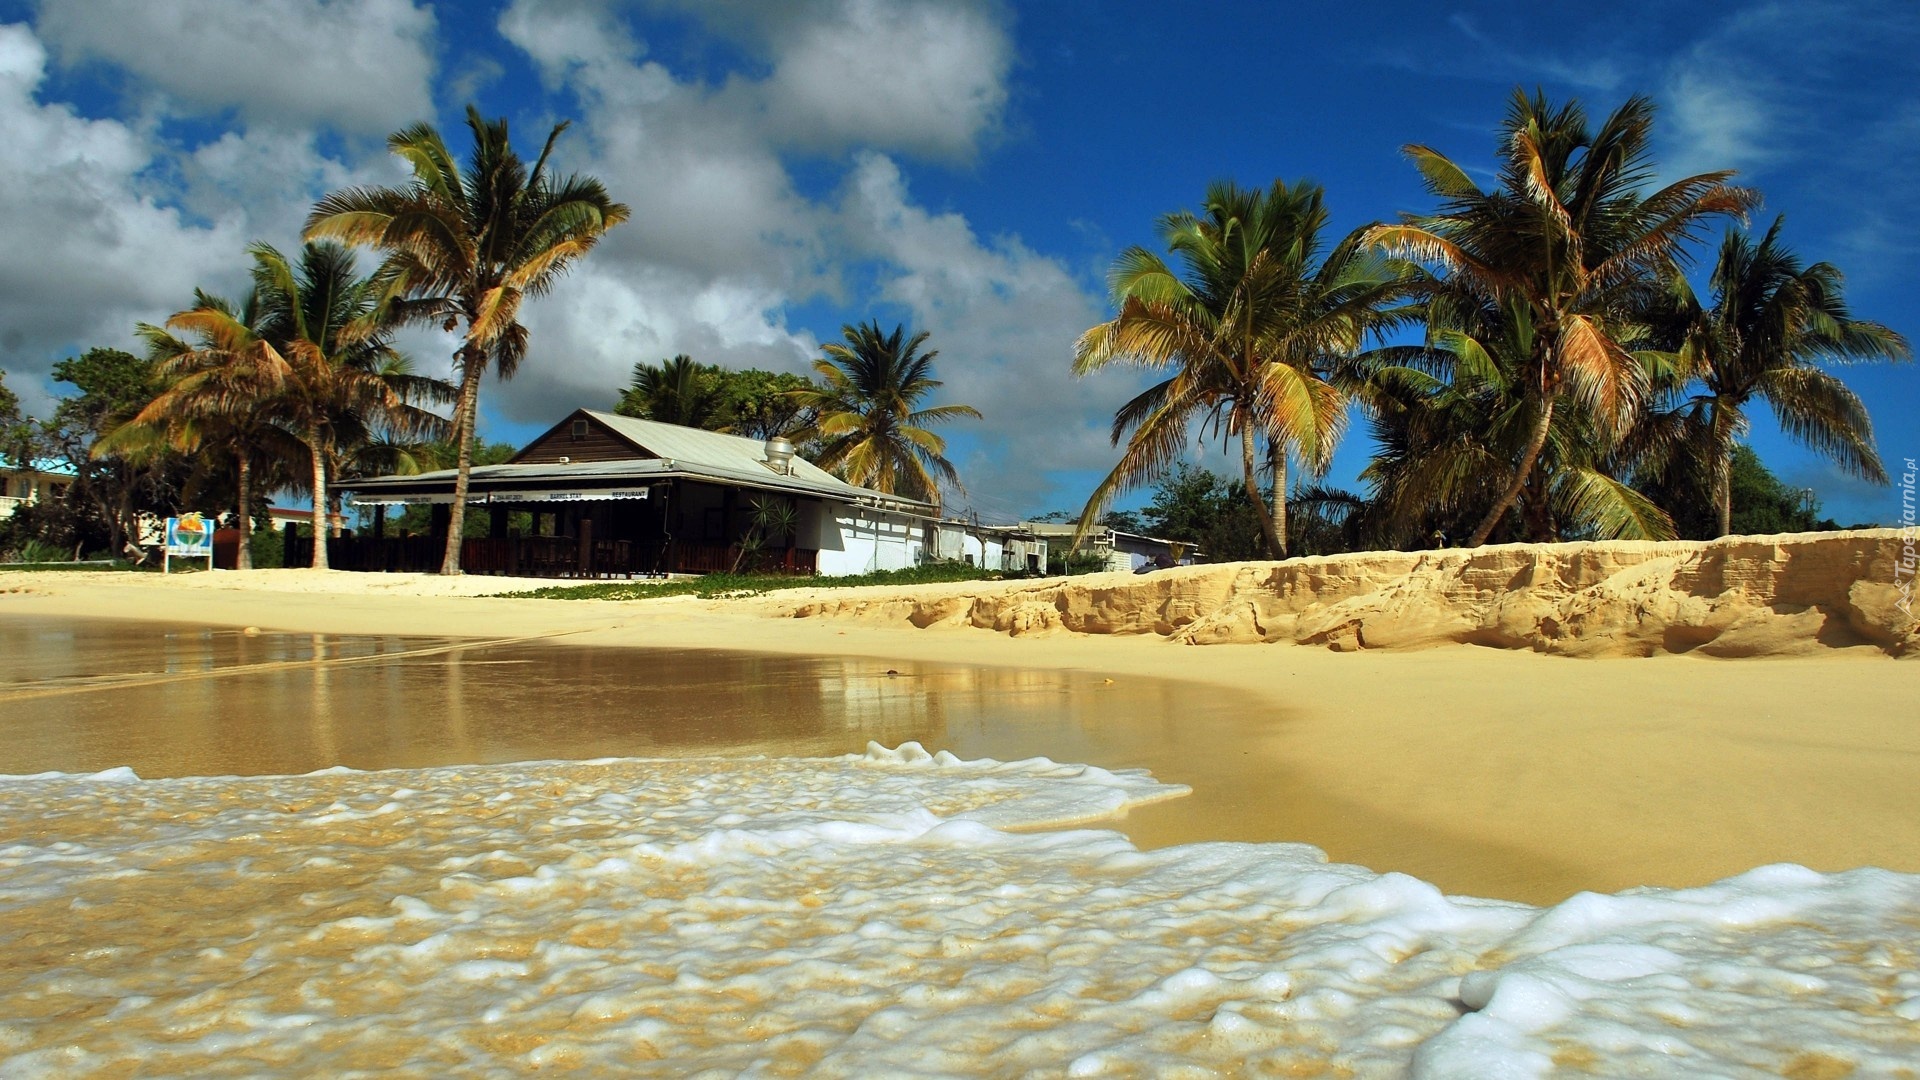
column 1670, row 770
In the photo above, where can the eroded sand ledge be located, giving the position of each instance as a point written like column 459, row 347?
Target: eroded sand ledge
column 1742, row 596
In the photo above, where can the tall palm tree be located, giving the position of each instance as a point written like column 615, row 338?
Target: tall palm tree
column 1251, row 330
column 870, row 422
column 465, row 248
column 1771, row 321
column 219, row 391
column 1568, row 234
column 345, row 385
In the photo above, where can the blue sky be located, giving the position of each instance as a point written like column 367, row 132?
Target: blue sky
column 968, row 168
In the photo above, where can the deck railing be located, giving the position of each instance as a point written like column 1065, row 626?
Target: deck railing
column 545, row 556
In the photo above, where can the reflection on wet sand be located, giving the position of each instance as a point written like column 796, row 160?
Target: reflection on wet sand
column 82, row 696
column 85, row 696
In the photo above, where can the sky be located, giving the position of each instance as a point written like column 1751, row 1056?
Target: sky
column 970, row 169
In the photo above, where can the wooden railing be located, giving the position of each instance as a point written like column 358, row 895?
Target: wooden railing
column 546, row 556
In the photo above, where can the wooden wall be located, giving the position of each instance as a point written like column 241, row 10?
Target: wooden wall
column 598, row 444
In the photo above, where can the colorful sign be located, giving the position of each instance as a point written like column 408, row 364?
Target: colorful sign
column 189, row 536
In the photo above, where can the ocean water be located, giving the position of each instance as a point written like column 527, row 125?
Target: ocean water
column 242, row 855
column 866, row 915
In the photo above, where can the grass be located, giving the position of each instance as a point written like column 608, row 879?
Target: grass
column 731, row 585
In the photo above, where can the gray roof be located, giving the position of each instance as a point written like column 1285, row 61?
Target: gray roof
column 683, row 452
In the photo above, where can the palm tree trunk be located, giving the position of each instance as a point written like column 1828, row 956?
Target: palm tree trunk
column 1721, row 434
column 1536, row 442
column 1279, row 454
column 1723, row 489
column 1253, row 489
column 463, row 429
column 243, row 555
column 319, row 503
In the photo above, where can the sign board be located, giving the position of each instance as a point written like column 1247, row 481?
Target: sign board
column 189, row 536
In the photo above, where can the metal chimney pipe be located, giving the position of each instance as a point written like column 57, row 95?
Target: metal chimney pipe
column 780, row 454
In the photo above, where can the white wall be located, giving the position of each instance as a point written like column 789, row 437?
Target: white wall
column 856, row 540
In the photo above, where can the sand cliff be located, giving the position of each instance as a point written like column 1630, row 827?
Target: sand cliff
column 1741, row 596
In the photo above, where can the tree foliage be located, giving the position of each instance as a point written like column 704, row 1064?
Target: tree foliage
column 465, row 247
column 1250, row 326
column 871, row 425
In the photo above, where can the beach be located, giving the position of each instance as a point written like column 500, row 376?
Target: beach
column 1596, row 774
column 906, row 909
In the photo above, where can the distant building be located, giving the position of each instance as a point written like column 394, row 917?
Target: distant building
column 612, row 495
column 24, row 485
column 1118, row 550
column 1014, row 548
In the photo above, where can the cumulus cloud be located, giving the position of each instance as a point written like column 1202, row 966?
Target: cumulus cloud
column 91, row 250
column 1004, row 319
column 357, row 65
column 724, row 245
column 925, row 77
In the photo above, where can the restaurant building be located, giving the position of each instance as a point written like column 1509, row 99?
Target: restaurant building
column 603, row 495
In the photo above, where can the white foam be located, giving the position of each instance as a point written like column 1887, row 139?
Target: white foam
column 866, row 915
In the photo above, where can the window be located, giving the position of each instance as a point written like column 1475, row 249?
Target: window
column 579, row 429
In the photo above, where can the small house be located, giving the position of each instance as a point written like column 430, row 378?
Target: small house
column 600, row 494
column 33, row 482
column 1117, row 550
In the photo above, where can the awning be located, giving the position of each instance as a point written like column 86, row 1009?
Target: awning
column 484, row 498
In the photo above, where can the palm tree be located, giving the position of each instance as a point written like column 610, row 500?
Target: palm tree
column 464, row 249
column 872, row 428
column 345, row 385
column 676, row 391
column 218, row 392
column 1772, row 319
column 1451, row 418
column 1251, row 329
column 1568, row 235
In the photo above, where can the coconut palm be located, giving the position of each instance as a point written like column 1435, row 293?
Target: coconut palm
column 1567, row 234
column 1452, row 417
column 869, row 419
column 1250, row 329
column 218, row 391
column 676, row 391
column 1771, row 321
column 345, row 386
column 465, row 248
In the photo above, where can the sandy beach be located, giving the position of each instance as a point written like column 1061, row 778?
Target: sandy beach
column 1609, row 773
column 841, row 912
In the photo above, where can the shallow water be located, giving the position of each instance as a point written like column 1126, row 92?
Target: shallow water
column 181, row 700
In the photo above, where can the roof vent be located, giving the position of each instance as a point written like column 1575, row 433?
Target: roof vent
column 780, row 455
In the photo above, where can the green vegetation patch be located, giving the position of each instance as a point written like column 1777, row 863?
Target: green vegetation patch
column 714, row 586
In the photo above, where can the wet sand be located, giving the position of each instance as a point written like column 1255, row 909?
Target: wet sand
column 1488, row 772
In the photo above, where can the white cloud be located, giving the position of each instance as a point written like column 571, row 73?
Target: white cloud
column 723, row 244
column 1004, row 319
column 563, row 36
column 90, row 250
column 357, row 65
column 920, row 77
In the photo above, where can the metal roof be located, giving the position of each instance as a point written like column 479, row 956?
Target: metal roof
column 49, row 466
column 683, row 452
column 713, row 449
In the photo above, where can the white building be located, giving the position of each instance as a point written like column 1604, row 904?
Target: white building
column 37, row 481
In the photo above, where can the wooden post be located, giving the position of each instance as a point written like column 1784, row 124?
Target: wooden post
column 287, row 539
column 380, row 523
column 585, row 566
column 497, row 522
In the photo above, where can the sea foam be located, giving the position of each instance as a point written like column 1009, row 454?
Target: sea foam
column 870, row 914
